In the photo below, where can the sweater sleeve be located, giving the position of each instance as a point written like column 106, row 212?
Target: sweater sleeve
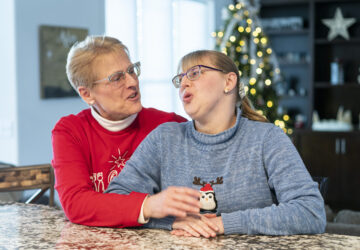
column 81, row 204
column 300, row 208
column 142, row 175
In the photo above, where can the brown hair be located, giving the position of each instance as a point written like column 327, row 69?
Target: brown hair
column 82, row 54
column 223, row 62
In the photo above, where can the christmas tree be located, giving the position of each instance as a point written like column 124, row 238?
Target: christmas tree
column 243, row 40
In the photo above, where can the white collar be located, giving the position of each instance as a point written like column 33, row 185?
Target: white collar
column 113, row 126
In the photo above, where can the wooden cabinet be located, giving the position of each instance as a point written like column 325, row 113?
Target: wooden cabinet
column 335, row 155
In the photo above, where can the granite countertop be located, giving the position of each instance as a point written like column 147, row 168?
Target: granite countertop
column 28, row 226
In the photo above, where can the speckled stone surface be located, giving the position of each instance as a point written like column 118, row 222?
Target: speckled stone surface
column 42, row 227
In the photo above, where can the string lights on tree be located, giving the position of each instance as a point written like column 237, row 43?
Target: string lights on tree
column 243, row 40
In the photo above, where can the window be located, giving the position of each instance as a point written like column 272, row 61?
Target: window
column 158, row 33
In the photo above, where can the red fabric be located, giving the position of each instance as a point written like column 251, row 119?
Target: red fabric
column 87, row 157
column 206, row 188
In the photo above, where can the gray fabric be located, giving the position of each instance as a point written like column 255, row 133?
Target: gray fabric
column 348, row 216
column 266, row 188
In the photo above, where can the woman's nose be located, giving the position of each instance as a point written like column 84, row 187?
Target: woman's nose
column 131, row 80
column 185, row 82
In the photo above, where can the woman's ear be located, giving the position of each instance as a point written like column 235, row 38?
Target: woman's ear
column 231, row 80
column 86, row 95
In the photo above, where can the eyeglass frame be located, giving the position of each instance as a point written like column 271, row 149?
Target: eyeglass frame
column 197, row 77
column 134, row 65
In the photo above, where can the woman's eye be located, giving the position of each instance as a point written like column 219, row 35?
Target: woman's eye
column 194, row 73
column 131, row 70
column 179, row 79
column 116, row 77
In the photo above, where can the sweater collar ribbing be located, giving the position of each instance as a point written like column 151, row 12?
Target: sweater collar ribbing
column 207, row 139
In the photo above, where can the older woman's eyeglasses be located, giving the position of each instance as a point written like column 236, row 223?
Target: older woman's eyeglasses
column 133, row 70
column 192, row 74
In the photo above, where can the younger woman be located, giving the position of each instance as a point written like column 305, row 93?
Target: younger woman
column 249, row 174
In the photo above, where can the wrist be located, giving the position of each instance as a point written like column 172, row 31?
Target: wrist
column 142, row 219
column 220, row 225
column 146, row 208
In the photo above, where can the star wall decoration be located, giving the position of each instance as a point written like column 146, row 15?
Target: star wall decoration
column 338, row 25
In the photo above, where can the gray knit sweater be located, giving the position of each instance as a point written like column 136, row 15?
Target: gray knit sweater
column 259, row 180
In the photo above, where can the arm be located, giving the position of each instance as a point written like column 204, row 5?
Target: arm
column 301, row 207
column 142, row 174
column 80, row 202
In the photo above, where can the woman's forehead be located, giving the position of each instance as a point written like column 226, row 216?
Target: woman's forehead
column 191, row 62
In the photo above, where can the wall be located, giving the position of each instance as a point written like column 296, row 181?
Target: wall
column 219, row 8
column 36, row 117
column 27, row 120
column 8, row 135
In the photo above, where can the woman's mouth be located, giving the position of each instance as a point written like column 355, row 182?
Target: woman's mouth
column 133, row 96
column 187, row 97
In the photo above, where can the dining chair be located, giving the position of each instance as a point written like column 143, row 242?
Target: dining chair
column 29, row 177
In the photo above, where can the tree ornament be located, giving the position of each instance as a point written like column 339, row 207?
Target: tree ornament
column 338, row 25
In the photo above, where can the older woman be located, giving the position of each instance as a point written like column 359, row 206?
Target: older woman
column 251, row 178
column 91, row 148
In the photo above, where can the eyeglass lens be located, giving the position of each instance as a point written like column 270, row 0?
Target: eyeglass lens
column 192, row 74
column 133, row 69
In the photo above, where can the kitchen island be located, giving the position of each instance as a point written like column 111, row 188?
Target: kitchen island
column 29, row 226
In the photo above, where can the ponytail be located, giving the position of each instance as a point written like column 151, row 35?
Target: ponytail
column 249, row 112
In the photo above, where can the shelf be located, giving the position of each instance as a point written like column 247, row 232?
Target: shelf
column 299, row 64
column 355, row 131
column 286, row 32
column 286, row 97
column 270, row 3
column 328, row 85
column 337, row 41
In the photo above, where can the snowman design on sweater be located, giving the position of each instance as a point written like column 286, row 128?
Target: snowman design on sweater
column 207, row 199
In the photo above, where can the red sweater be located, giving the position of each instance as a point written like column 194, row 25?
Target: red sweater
column 87, row 157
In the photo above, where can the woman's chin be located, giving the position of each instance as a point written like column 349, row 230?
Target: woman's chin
column 191, row 114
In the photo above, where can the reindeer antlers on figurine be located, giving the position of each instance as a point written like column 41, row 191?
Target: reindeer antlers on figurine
column 197, row 181
column 219, row 180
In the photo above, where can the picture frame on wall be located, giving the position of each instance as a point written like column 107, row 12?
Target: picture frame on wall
column 55, row 43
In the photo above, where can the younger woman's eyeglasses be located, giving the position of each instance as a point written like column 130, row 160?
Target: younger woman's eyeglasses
column 117, row 77
column 192, row 74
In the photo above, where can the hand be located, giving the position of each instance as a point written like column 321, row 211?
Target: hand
column 216, row 221
column 175, row 201
column 194, row 225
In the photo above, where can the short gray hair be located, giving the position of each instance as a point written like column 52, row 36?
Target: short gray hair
column 82, row 54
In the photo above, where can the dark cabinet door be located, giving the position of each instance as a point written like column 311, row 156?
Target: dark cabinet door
column 320, row 153
column 335, row 155
column 349, row 174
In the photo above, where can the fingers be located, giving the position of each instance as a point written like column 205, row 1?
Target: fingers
column 202, row 228
column 174, row 211
column 210, row 223
column 195, row 226
column 209, row 215
column 187, row 191
column 183, row 207
column 175, row 201
column 185, row 195
column 179, row 232
column 181, row 200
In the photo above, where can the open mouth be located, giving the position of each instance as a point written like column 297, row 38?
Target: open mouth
column 187, row 97
column 133, row 96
